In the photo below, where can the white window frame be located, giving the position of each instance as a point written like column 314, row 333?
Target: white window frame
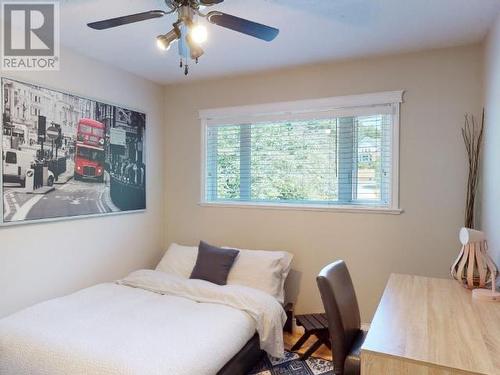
column 281, row 110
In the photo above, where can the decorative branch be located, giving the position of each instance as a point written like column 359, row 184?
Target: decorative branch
column 472, row 134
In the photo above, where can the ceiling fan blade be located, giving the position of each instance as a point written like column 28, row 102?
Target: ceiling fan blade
column 210, row 2
column 242, row 25
column 118, row 21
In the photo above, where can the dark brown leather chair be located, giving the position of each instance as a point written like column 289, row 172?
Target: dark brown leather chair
column 344, row 322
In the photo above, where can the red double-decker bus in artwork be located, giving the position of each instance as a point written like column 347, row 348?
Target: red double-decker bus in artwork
column 89, row 156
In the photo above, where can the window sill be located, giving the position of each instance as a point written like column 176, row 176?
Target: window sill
column 300, row 207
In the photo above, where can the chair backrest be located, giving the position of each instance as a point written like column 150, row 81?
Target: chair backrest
column 341, row 308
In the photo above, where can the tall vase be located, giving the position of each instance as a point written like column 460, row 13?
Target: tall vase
column 473, row 268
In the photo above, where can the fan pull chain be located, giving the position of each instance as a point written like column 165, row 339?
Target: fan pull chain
column 186, row 53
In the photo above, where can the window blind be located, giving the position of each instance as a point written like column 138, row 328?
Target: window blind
column 338, row 157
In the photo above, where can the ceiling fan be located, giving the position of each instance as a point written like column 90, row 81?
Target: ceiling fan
column 187, row 31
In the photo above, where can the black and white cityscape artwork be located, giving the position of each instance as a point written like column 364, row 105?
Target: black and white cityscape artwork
column 66, row 156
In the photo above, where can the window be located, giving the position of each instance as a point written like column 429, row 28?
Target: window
column 337, row 152
column 98, row 132
column 11, row 157
column 90, row 154
column 85, row 129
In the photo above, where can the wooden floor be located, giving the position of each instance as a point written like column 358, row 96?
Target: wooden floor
column 291, row 339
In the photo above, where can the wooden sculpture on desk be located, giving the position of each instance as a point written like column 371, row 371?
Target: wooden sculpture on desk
column 474, row 268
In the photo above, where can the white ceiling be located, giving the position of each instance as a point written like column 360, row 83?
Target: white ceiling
column 310, row 31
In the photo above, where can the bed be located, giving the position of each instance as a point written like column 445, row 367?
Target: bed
column 151, row 322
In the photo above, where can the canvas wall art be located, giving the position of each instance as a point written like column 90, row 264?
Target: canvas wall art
column 67, row 156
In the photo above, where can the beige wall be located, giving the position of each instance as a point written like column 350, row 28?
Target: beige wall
column 440, row 87
column 490, row 218
column 41, row 261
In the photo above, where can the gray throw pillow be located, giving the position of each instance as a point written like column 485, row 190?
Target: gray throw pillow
column 213, row 263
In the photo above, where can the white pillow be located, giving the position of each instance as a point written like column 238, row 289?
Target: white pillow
column 263, row 270
column 258, row 269
column 179, row 260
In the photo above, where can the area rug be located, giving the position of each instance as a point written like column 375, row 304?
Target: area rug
column 292, row 365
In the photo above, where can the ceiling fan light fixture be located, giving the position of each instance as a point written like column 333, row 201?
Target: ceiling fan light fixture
column 195, row 51
column 164, row 41
column 160, row 43
column 198, row 33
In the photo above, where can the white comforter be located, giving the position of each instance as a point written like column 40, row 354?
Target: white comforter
column 148, row 323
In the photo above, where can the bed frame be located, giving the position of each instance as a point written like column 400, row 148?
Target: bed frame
column 245, row 359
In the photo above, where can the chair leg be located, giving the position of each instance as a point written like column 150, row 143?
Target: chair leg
column 325, row 337
column 311, row 350
column 301, row 341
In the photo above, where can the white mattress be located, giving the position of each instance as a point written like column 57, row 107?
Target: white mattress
column 116, row 329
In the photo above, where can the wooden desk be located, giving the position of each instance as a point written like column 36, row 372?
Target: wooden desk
column 432, row 326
